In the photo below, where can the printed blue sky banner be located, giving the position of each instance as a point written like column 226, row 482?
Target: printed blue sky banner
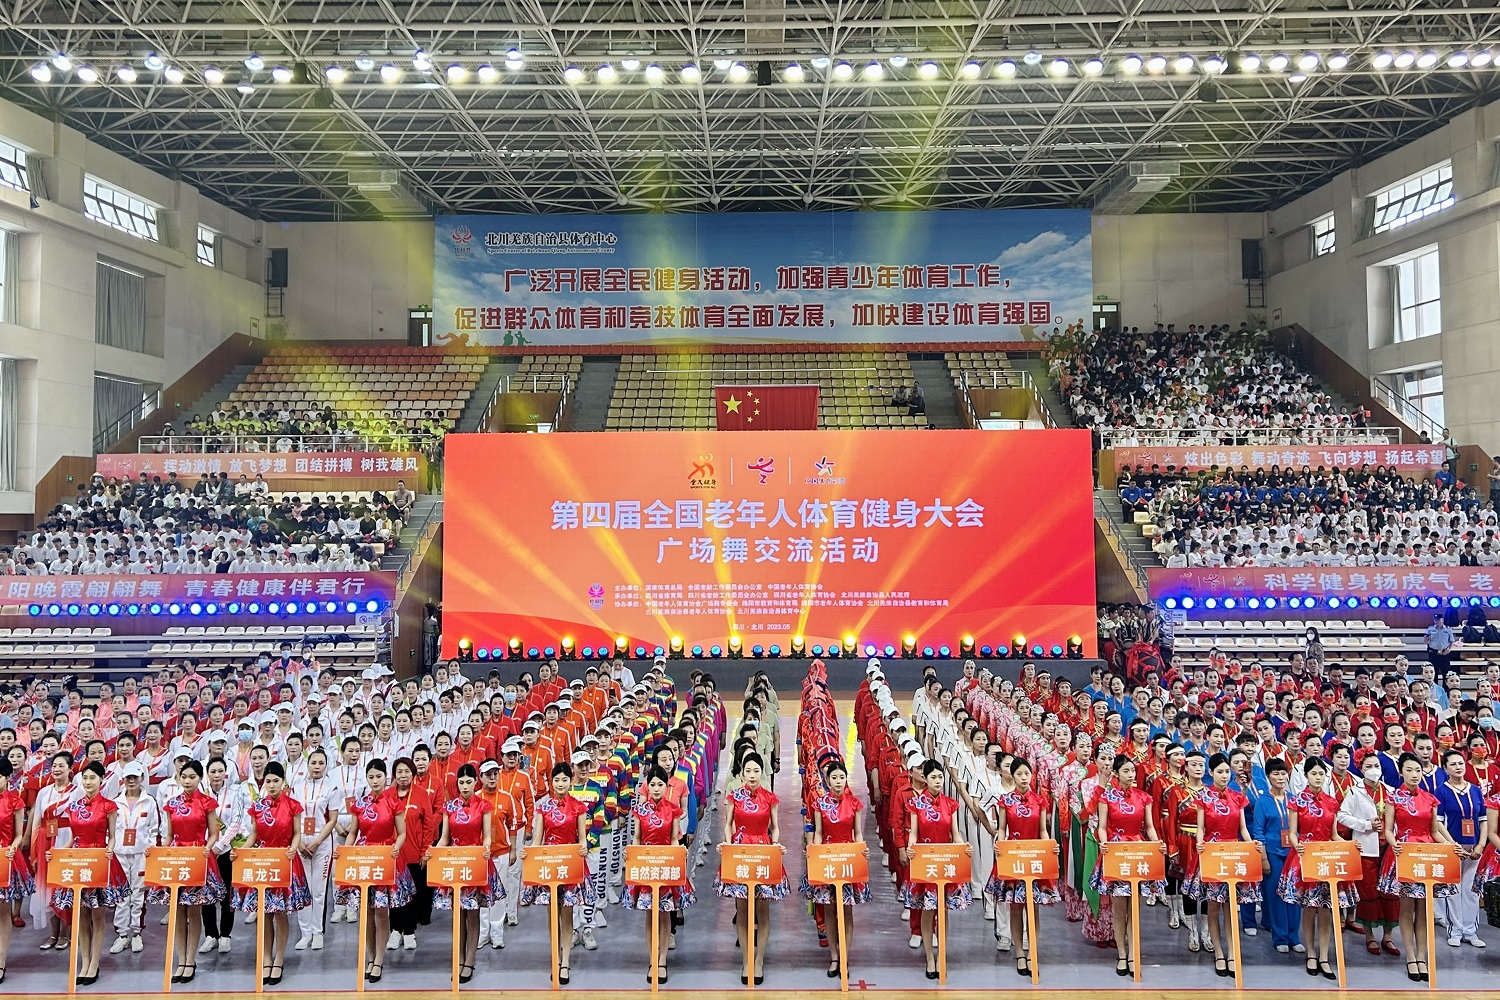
column 879, row 277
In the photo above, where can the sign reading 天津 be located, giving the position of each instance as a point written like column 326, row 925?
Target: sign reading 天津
column 790, row 277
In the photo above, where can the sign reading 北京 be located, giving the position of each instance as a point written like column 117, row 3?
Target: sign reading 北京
column 791, row 277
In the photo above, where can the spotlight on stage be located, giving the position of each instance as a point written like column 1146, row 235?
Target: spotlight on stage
column 514, row 646
column 850, row 645
column 1037, row 652
column 587, row 652
column 715, row 651
column 966, row 647
column 697, row 652
column 909, row 647
column 817, row 649
column 1075, row 647
column 676, row 648
column 833, row 651
column 944, row 652
column 870, row 650
column 736, row 647
column 1056, row 652
column 465, row 650
column 757, row 651
column 774, row 652
column 549, row 653
column 568, row 650
column 1018, row 645
column 640, row 652
column 928, row 652
column 799, row 646
column 986, row 652
column 888, row 652
column 532, row 653
column 481, row 653
column 622, row 647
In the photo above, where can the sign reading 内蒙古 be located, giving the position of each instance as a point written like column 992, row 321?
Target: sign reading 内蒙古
column 829, row 277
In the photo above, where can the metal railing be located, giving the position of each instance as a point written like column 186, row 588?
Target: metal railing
column 149, row 404
column 558, row 383
column 1216, row 437
column 1112, row 528
column 415, row 552
column 1406, row 410
column 1002, row 378
column 196, row 444
column 741, row 375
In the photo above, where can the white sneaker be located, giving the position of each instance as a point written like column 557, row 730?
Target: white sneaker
column 497, row 936
column 136, row 944
column 672, row 942
column 223, row 946
column 989, row 907
column 120, row 945
column 1474, row 942
column 1002, row 944
column 250, row 917
column 317, row 941
column 1193, row 939
column 408, row 942
column 613, row 894
column 303, row 942
column 1282, row 949
column 1440, row 921
column 1249, row 932
column 589, row 944
column 599, row 919
column 393, row 942
column 577, row 937
column 905, row 914
column 1300, row 948
column 208, row 945
column 511, row 920
column 338, row 915
column 164, row 921
column 915, row 941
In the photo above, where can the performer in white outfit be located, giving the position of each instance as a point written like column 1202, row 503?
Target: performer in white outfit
column 321, row 799
column 136, row 827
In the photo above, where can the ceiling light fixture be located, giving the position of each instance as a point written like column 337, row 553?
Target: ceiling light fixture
column 514, row 60
column 970, row 70
column 1032, row 58
column 1298, row 77
column 335, row 74
column 573, row 75
column 1337, row 61
column 1156, row 64
column 722, row 65
column 655, row 74
column 1278, row 62
column 738, row 73
column 87, row 73
column 213, row 75
column 690, row 73
column 1427, row 60
column 1458, row 60
column 1213, row 64
column 1131, row 64
column 842, row 70
column 1307, row 62
column 421, row 61
column 929, row 70
column 1249, row 63
column 1059, row 67
column 1005, row 69
column 154, row 62
column 793, row 73
column 62, row 61
column 456, row 73
column 605, row 73
column 897, row 61
column 254, row 63
column 1382, row 60
column 821, row 62
column 126, row 74
column 1482, row 58
column 1093, row 67
column 390, row 72
column 246, row 88
column 487, row 73
column 630, row 65
column 873, row 70
column 173, row 75
column 281, row 74
column 1404, row 60
column 41, row 73
column 364, row 64
column 1184, row 63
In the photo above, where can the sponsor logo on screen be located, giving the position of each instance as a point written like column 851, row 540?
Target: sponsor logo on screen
column 764, row 467
column 702, row 475
column 823, row 474
column 596, row 596
column 461, row 236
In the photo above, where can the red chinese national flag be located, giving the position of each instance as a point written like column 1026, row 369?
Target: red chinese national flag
column 766, row 407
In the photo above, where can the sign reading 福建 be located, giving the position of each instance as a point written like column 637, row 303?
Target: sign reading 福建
column 709, row 535
column 1026, row 859
column 184, row 867
column 260, row 868
column 144, row 590
column 553, row 864
column 663, row 866
column 831, row 863
column 369, row 865
column 1404, row 458
column 1356, row 586
column 751, row 864
column 515, row 280
column 272, row 465
column 78, row 868
column 458, row 867
column 1431, row 864
column 947, row 863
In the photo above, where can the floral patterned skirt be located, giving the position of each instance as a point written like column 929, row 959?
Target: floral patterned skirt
column 471, row 897
column 382, row 897
column 297, row 897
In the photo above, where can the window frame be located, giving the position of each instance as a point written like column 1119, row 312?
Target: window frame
column 207, row 249
column 1324, row 236
column 1410, row 320
column 13, row 162
column 120, row 210
column 1415, row 198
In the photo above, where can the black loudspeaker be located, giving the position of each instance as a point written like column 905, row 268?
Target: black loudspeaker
column 276, row 267
column 762, row 74
column 1251, row 268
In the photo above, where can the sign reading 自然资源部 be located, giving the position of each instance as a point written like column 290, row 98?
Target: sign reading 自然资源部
column 977, row 275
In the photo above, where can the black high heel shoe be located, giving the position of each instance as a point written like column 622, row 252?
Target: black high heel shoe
column 1412, row 973
column 1221, row 967
column 275, row 978
column 465, row 973
column 932, row 973
column 1023, row 966
column 833, row 969
column 562, row 975
column 1122, row 967
column 189, row 972
column 177, row 976
column 1312, row 966
column 1420, row 972
column 1327, row 970
column 376, row 971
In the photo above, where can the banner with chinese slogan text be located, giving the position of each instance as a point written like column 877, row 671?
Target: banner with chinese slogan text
column 1325, row 582
column 339, row 588
column 1407, row 458
column 278, row 465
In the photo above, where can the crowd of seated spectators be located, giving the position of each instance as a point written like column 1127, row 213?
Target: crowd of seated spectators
column 1202, row 385
column 211, row 526
column 233, row 429
column 1369, row 516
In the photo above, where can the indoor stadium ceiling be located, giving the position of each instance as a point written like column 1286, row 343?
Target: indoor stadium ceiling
column 310, row 110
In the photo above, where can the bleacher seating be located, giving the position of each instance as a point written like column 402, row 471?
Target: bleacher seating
column 974, row 364
column 549, row 371
column 676, row 391
column 404, row 386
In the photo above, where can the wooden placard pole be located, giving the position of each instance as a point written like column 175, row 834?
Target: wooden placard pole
column 1028, row 861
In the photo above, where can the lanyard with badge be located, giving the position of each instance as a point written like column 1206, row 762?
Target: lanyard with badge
column 313, row 805
column 136, row 813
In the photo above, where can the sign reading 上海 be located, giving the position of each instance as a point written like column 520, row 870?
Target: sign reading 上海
column 1358, row 586
column 223, row 588
column 829, row 277
column 288, row 465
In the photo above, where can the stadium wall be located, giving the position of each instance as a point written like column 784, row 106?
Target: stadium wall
column 190, row 307
column 1174, row 268
column 1346, row 299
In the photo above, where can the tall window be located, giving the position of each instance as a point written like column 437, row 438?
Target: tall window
column 1423, row 389
column 120, row 308
column 119, row 209
column 1419, row 302
column 1415, row 198
column 1323, row 236
column 208, row 252
column 13, row 166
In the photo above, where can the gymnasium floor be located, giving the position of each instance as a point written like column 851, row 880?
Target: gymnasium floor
column 707, row 961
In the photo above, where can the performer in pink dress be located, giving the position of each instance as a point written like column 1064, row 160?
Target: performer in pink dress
column 1311, row 816
column 659, row 822
column 378, row 820
column 1412, row 818
column 1022, row 814
column 561, row 818
column 190, row 819
column 468, row 821
column 12, row 833
column 274, row 824
column 1220, row 818
column 1124, row 813
column 932, row 818
column 837, row 818
column 91, row 817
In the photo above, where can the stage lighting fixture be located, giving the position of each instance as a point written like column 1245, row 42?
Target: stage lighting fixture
column 1335, row 603
column 817, row 649
column 715, row 651
column 1211, row 603
column 133, row 609
column 736, row 647
column 871, row 650
column 1295, row 602
column 33, row 610
column 928, row 652
column 174, row 608
column 549, row 653
column 1056, row 652
column 1230, row 603
column 850, row 645
column 833, row 651
column 1432, row 602
column 568, row 650
column 640, row 652
column 986, row 652
column 532, row 653
column 1075, row 647
column 757, row 651
column 908, row 647
column 1037, row 652
column 95, row 609
column 350, row 607
column 54, row 609
column 515, row 648
column 1474, row 602
column 112, row 609
column 622, row 646
column 1018, row 645
column 1352, row 602
column 465, row 650
column 1495, row 602
column 1253, row 604
column 291, row 607
column 888, row 652
column 966, row 646
column 75, row 609
column 481, row 653
column 774, row 652
column 372, row 606
column 587, row 652
column 675, row 652
column 1170, row 604
column 944, row 652
column 1271, row 603
column 697, row 652
column 155, row 609
column 210, row 608
column 1454, row 602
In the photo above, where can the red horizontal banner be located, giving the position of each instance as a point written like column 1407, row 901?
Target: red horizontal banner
column 1325, row 581
column 287, row 465
column 222, row 587
column 1407, row 458
column 766, row 407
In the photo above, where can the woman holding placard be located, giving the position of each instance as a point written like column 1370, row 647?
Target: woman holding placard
column 190, row 819
column 751, row 819
column 378, row 821
column 467, row 822
column 659, row 822
column 1311, row 816
column 1124, row 814
column 1022, row 814
column 1412, row 818
column 838, row 818
column 932, row 818
column 561, row 819
column 275, row 824
column 12, row 834
column 49, row 829
column 1220, row 816
column 91, row 817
